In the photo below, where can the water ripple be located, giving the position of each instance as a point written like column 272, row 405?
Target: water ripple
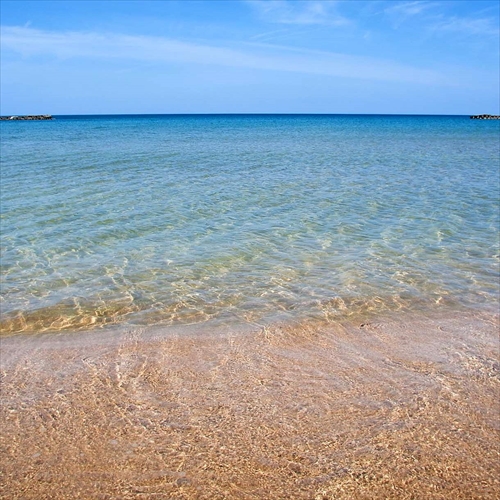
column 144, row 220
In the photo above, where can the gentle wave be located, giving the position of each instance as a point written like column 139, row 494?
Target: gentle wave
column 169, row 220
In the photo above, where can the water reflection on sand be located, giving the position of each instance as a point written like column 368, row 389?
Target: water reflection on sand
column 393, row 407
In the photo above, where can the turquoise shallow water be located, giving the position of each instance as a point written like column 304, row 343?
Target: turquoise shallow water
column 187, row 219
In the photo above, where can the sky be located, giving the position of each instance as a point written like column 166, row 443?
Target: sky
column 249, row 56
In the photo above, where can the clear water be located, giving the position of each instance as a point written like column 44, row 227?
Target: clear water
column 187, row 219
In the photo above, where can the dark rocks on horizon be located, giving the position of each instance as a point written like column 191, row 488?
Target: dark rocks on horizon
column 27, row 117
column 485, row 117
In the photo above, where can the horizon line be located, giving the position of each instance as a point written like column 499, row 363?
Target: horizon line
column 245, row 114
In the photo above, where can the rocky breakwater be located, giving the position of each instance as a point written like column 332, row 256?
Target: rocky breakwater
column 27, row 117
column 485, row 117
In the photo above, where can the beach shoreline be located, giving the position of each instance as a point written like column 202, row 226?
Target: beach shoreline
column 400, row 406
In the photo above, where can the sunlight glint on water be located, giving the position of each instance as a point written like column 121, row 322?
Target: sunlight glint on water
column 185, row 219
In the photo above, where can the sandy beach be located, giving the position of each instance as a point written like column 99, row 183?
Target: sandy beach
column 398, row 407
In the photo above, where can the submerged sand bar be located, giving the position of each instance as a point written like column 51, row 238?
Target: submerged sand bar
column 405, row 407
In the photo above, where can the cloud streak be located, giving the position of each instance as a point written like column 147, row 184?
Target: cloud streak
column 438, row 23
column 468, row 26
column 408, row 9
column 33, row 43
column 298, row 12
column 405, row 11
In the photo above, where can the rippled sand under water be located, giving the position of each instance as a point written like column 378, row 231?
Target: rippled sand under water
column 401, row 407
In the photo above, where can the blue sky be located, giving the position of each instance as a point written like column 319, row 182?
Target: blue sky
column 250, row 56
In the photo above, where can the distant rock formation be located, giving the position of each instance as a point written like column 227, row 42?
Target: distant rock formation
column 27, row 117
column 485, row 117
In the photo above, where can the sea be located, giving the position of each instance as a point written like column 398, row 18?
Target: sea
column 218, row 220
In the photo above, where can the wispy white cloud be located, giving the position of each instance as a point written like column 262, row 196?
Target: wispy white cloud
column 468, row 26
column 408, row 9
column 269, row 35
column 432, row 17
column 400, row 12
column 33, row 43
column 298, row 12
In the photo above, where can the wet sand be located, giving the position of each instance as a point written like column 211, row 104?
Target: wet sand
column 398, row 407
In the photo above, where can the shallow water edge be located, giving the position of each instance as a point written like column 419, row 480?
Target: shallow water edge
column 401, row 406
column 190, row 219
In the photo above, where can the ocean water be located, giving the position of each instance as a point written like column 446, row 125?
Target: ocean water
column 219, row 219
